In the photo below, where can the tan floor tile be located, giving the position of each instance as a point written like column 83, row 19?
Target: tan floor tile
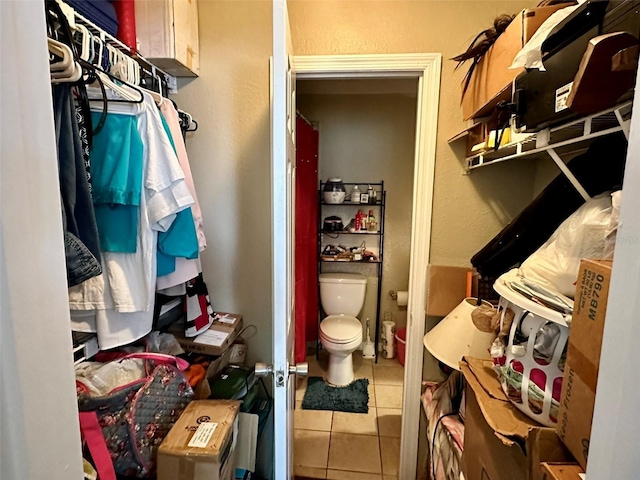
column 388, row 375
column 390, row 450
column 301, row 387
column 388, row 396
column 364, row 370
column 387, row 362
column 358, row 423
column 311, row 448
column 312, row 419
column 310, row 472
column 372, row 396
column 389, row 477
column 355, row 453
column 389, row 422
column 340, row 475
column 317, row 367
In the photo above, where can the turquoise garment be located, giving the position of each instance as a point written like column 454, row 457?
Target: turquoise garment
column 181, row 240
column 116, row 168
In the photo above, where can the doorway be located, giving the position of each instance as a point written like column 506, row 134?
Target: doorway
column 363, row 131
column 424, row 71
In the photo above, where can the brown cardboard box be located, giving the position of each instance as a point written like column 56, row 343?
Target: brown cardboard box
column 583, row 357
column 201, row 444
column 447, row 288
column 214, row 341
column 500, row 442
column 561, row 471
column 491, row 80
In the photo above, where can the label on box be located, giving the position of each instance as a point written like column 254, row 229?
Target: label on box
column 202, row 435
column 212, row 337
column 226, row 319
column 562, row 94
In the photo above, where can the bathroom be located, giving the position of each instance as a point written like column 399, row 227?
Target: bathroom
column 365, row 131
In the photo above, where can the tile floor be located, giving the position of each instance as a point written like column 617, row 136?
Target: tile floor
column 352, row 446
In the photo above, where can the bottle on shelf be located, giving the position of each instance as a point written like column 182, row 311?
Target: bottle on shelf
column 355, row 194
column 370, row 193
column 372, row 225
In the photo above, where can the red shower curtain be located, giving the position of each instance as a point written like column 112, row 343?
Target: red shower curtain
column 306, row 300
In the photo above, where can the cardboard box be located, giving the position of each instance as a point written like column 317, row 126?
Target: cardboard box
column 500, row 442
column 201, row 444
column 216, row 340
column 491, row 80
column 446, row 289
column 583, row 357
column 561, row 471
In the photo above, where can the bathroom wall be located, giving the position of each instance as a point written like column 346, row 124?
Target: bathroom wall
column 370, row 137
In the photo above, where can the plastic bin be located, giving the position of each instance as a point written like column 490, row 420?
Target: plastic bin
column 520, row 360
column 401, row 341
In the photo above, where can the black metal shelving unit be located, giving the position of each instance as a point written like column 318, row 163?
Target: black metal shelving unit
column 351, row 209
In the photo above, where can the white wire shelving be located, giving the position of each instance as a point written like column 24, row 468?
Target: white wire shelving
column 570, row 138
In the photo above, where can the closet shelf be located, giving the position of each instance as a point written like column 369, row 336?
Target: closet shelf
column 572, row 137
column 109, row 39
column 85, row 346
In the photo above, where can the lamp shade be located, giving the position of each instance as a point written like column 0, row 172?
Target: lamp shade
column 456, row 336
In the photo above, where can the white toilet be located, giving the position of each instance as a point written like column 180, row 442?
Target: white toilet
column 342, row 297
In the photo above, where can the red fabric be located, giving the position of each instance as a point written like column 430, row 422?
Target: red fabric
column 126, row 13
column 92, row 434
column 306, row 300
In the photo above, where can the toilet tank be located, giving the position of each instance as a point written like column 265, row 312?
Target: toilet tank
column 342, row 293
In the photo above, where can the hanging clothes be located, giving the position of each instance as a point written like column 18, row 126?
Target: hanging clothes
column 180, row 240
column 82, row 247
column 185, row 269
column 118, row 305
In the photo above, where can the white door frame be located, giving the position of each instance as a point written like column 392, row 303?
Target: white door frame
column 426, row 68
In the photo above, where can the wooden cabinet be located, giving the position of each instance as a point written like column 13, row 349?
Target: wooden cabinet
column 168, row 35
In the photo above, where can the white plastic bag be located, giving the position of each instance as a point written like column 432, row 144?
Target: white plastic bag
column 555, row 264
column 612, row 231
column 531, row 54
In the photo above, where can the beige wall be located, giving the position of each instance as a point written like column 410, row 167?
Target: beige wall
column 468, row 210
column 371, row 138
column 230, row 159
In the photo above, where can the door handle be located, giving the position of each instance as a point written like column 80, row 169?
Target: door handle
column 264, row 370
column 301, row 369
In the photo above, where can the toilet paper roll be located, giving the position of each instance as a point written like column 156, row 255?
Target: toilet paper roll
column 403, row 299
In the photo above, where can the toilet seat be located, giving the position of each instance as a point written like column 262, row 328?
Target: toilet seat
column 340, row 329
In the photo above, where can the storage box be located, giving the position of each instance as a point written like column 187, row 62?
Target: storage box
column 446, row 289
column 561, row 471
column 500, row 442
column 201, row 444
column 583, row 357
column 216, row 340
column 491, row 80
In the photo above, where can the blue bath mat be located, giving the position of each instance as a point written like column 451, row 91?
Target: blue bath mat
column 354, row 398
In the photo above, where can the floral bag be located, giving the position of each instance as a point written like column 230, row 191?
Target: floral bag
column 124, row 428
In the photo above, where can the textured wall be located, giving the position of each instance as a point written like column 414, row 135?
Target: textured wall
column 230, row 158
column 468, row 210
column 371, row 138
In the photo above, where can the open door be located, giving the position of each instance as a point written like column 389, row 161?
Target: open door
column 283, row 241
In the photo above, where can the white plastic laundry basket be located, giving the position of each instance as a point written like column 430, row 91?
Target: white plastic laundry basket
column 519, row 358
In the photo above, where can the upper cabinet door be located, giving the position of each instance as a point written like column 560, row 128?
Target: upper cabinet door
column 167, row 31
